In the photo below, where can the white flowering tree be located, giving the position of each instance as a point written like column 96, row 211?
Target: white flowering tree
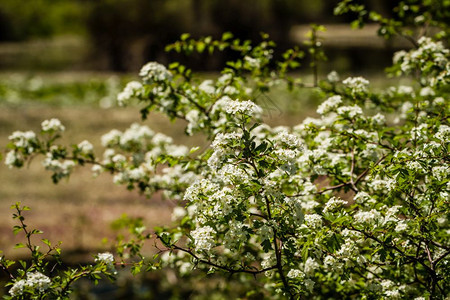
column 351, row 204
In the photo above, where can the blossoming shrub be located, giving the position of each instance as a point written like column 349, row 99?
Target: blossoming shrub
column 353, row 203
column 45, row 275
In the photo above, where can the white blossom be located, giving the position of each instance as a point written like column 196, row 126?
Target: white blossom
column 440, row 172
column 401, row 226
column 154, row 72
column 35, row 281
column 313, row 220
column 86, row 147
column 23, row 139
column 63, row 168
column 443, row 134
column 351, row 111
column 288, row 139
column 252, row 62
column 108, row 259
column 12, row 158
column 331, row 263
column 295, row 273
column 331, row 104
column 18, row 288
column 333, row 77
column 38, row 281
column 356, row 84
column 132, row 89
column 178, row 213
column 207, row 87
column 367, row 217
column 243, row 107
column 333, row 204
column 426, row 92
column 52, row 125
column 111, row 138
column 311, row 266
column 203, row 238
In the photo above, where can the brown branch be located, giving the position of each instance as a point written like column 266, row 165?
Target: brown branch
column 232, row 271
column 341, row 185
column 413, row 258
column 278, row 253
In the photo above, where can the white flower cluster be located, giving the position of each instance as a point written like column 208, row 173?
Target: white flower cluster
column 138, row 134
column 443, row 134
column 333, row 77
column 235, row 235
column 52, row 125
column 244, row 107
column 200, row 187
column 62, row 169
column 368, row 217
column 224, row 140
column 441, row 172
column 178, row 213
column 350, row 111
column 313, row 221
column 207, row 86
column 132, row 89
column 203, row 238
column 331, row 263
column 311, row 266
column 330, row 104
column 253, row 62
column 428, row 53
column 85, row 147
column 401, row 90
column 378, row 119
column 356, row 84
column 295, row 273
column 223, row 144
column 35, row 281
column 13, row 158
column 233, row 107
column 289, row 140
column 233, row 174
column 108, row 259
column 383, row 184
column 143, row 148
column 154, row 72
column 23, row 139
column 333, row 204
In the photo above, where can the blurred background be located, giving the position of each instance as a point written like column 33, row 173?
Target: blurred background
column 121, row 35
column 70, row 58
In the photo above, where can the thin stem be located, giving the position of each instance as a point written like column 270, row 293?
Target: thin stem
column 278, row 253
column 341, row 185
column 352, row 169
column 231, row 270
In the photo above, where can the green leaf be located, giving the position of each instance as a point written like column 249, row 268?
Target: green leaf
column 185, row 36
column 227, row 36
column 19, row 245
column 17, row 229
column 47, row 242
column 201, row 47
column 266, row 245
